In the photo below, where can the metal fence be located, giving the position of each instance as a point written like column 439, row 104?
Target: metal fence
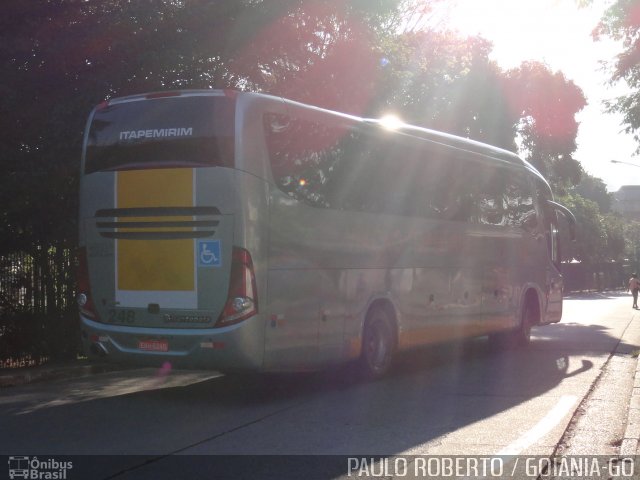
column 598, row 277
column 38, row 320
column 41, row 282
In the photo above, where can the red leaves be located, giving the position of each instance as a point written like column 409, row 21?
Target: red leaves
column 548, row 98
column 318, row 55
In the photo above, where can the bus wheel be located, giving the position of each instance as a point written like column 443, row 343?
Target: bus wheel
column 523, row 332
column 378, row 344
column 520, row 336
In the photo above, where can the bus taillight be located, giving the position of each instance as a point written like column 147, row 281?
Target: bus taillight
column 242, row 300
column 85, row 302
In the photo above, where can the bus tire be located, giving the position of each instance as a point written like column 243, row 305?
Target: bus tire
column 520, row 336
column 378, row 344
column 529, row 319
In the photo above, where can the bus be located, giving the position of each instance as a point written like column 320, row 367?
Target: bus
column 242, row 231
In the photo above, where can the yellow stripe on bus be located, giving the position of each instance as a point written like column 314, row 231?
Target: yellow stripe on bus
column 158, row 265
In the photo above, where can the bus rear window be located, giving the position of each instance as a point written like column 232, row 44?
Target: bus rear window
column 189, row 131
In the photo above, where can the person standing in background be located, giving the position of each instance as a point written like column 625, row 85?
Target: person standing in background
column 634, row 287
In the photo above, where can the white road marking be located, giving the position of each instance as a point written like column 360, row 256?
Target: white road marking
column 544, row 426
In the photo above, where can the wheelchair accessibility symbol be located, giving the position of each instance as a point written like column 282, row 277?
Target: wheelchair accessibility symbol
column 209, row 253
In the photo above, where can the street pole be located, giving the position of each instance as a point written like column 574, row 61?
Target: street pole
column 625, row 163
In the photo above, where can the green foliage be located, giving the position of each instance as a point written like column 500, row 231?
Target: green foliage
column 61, row 57
column 614, row 227
column 547, row 104
column 594, row 188
column 622, row 22
column 632, row 242
column 602, row 236
column 591, row 237
column 599, row 237
column 439, row 80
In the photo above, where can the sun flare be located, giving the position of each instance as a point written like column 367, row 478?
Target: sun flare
column 391, row 122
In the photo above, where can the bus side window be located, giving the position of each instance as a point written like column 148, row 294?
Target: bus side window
column 275, row 126
column 521, row 210
column 376, row 176
column 490, row 198
column 353, row 183
column 385, row 189
column 401, row 176
column 461, row 190
column 303, row 155
column 437, row 190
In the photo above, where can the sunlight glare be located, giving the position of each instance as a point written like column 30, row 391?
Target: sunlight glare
column 524, row 30
column 391, row 122
column 557, row 33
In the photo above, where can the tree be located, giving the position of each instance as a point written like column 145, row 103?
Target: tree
column 591, row 236
column 594, row 188
column 64, row 56
column 439, row 80
column 442, row 81
column 622, row 22
column 546, row 104
column 615, row 240
column 599, row 237
column 61, row 57
column 632, row 243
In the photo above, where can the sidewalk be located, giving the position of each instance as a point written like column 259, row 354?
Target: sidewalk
column 631, row 442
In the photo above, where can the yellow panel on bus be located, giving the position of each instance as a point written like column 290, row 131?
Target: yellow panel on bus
column 155, row 264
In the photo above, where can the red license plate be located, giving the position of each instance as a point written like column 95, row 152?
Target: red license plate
column 154, row 345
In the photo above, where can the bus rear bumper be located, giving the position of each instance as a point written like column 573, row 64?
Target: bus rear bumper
column 237, row 347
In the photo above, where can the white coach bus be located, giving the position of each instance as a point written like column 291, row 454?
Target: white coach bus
column 242, row 231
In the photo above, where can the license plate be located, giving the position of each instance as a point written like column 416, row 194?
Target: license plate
column 154, row 345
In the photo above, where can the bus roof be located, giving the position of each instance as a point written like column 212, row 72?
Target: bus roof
column 466, row 144
column 434, row 136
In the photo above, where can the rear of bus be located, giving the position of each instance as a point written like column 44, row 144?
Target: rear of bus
column 165, row 273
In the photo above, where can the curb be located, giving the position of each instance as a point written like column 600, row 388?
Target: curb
column 631, row 440
column 54, row 372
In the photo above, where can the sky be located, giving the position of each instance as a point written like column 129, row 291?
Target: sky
column 558, row 33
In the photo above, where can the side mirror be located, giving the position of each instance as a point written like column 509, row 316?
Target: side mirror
column 568, row 215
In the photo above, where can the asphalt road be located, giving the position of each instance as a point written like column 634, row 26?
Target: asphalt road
column 448, row 400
